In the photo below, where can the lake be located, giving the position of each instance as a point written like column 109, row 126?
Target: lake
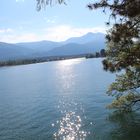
column 62, row 100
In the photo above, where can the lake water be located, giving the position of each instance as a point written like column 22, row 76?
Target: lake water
column 62, row 100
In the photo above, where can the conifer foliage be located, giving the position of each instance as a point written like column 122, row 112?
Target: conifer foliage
column 123, row 51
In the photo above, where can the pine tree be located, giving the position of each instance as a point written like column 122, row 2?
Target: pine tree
column 123, row 51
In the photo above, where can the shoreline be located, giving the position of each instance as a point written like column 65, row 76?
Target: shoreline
column 9, row 63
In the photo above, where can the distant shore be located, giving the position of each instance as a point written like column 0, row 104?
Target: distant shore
column 43, row 59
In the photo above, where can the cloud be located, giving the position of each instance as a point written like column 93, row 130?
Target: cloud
column 8, row 30
column 50, row 21
column 63, row 32
column 19, row 0
column 14, row 38
column 55, row 33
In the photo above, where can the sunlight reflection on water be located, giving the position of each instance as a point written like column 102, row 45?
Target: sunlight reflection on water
column 70, row 126
column 70, row 62
column 67, row 75
column 71, row 123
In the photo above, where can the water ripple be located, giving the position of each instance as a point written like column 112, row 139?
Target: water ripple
column 69, row 128
column 70, row 125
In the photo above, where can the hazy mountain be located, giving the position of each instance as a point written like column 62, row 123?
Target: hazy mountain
column 68, row 49
column 12, row 51
column 91, row 42
column 89, row 37
column 40, row 46
column 75, row 49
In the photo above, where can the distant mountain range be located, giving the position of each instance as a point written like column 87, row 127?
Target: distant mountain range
column 88, row 43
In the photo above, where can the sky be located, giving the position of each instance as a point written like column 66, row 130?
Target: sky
column 21, row 22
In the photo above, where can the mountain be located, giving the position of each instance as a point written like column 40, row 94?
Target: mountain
column 88, row 43
column 12, row 51
column 89, row 37
column 40, row 46
column 68, row 49
column 72, row 49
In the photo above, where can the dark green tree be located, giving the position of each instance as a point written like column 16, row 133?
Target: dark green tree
column 102, row 53
column 123, row 51
column 97, row 54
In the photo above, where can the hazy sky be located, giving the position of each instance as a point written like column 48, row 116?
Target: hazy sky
column 20, row 22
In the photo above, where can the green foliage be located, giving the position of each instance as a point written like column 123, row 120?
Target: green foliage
column 123, row 51
column 126, row 90
column 102, row 53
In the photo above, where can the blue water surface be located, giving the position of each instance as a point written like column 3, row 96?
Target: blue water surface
column 62, row 100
